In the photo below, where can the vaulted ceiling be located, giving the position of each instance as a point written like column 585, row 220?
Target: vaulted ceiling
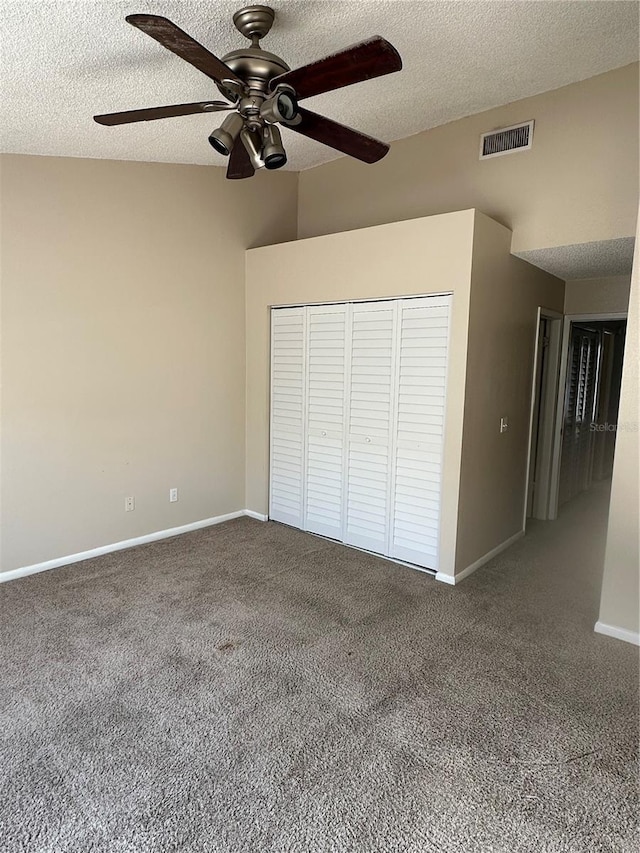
column 61, row 62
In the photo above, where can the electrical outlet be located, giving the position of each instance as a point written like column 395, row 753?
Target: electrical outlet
column 129, row 504
column 504, row 424
column 173, row 495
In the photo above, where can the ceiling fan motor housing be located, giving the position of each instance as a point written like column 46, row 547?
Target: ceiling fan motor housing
column 255, row 66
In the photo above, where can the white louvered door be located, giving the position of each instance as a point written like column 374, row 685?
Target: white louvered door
column 370, row 427
column 357, row 423
column 416, row 477
column 325, row 419
column 288, row 364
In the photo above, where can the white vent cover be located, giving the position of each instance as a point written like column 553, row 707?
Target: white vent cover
column 506, row 140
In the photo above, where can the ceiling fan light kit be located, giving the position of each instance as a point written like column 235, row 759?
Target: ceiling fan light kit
column 262, row 92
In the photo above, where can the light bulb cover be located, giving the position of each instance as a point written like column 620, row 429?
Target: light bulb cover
column 224, row 137
column 273, row 152
column 282, row 106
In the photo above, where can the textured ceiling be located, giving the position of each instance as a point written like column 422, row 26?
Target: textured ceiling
column 584, row 260
column 61, row 62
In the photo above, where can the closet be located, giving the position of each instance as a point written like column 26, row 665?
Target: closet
column 357, row 422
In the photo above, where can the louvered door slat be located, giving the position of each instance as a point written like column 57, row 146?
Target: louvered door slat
column 287, row 415
column 419, row 436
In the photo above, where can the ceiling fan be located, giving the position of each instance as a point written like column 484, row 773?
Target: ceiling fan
column 262, row 92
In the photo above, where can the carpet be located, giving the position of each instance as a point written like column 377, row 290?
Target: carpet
column 249, row 688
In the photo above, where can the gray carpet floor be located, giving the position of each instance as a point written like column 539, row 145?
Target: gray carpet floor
column 249, row 688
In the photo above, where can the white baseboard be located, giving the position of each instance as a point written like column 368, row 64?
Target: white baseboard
column 126, row 543
column 460, row 576
column 259, row 516
column 443, row 577
column 617, row 633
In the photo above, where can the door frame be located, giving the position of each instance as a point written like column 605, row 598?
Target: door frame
column 549, row 402
column 557, row 439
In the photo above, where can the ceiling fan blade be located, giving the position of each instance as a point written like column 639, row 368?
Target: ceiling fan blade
column 239, row 163
column 364, row 61
column 161, row 112
column 340, row 137
column 177, row 41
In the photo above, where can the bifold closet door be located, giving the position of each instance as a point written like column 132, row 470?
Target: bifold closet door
column 288, row 402
column 325, row 419
column 357, row 423
column 416, row 477
column 370, row 425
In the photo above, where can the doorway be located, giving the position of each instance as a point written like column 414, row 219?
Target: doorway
column 574, row 407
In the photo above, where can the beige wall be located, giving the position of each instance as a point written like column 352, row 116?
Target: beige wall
column 597, row 295
column 430, row 255
column 619, row 605
column 578, row 183
column 123, row 346
column 505, row 296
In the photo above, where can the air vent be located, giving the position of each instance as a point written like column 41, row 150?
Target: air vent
column 507, row 140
